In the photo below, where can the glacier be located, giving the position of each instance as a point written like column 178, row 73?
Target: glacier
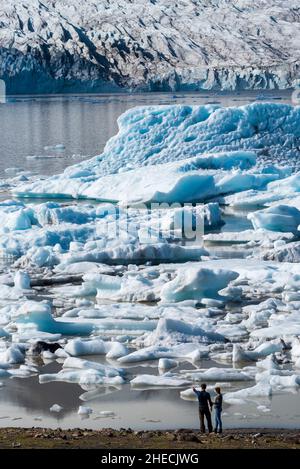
column 56, row 46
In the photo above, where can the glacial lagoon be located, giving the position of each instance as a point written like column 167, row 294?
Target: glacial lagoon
column 42, row 136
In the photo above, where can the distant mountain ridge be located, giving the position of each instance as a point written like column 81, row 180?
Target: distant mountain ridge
column 113, row 45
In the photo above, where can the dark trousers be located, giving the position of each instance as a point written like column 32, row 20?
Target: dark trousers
column 218, row 420
column 205, row 413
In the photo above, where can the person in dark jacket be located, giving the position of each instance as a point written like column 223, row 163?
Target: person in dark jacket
column 218, row 410
column 205, row 407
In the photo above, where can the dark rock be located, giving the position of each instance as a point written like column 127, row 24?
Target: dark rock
column 187, row 437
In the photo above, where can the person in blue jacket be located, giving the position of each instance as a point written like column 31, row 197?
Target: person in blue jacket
column 218, row 402
column 205, row 407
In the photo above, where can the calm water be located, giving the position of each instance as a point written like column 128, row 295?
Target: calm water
column 82, row 125
column 26, row 403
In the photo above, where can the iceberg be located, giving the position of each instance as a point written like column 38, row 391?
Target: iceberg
column 39, row 316
column 14, row 354
column 170, row 332
column 164, row 135
column 285, row 190
column 188, row 351
column 219, row 375
column 146, row 381
column 284, row 253
column 84, row 411
column 263, row 350
column 79, row 347
column 85, row 372
column 166, row 364
column 280, row 218
column 22, row 281
column 197, row 283
column 261, row 389
column 56, row 408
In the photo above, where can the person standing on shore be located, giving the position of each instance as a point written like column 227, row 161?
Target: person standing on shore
column 218, row 410
column 205, row 407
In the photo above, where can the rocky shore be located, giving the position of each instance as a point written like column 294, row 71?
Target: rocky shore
column 45, row 438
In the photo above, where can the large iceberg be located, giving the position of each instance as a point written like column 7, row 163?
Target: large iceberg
column 207, row 138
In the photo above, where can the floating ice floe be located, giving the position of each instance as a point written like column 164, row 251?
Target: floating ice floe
column 56, row 408
column 107, row 413
column 79, row 347
column 280, row 218
column 197, row 283
column 219, row 374
column 144, row 381
column 263, row 350
column 85, row 372
column 38, row 315
column 58, row 146
column 84, row 411
column 22, row 280
column 166, row 364
column 261, row 389
column 169, row 283
column 284, row 253
column 258, row 235
column 270, row 377
column 188, row 351
column 14, row 354
column 171, row 332
column 284, row 190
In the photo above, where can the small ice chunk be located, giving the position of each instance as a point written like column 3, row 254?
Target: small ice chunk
column 84, row 411
column 22, row 280
column 107, row 413
column 166, row 363
column 56, row 408
column 79, row 347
